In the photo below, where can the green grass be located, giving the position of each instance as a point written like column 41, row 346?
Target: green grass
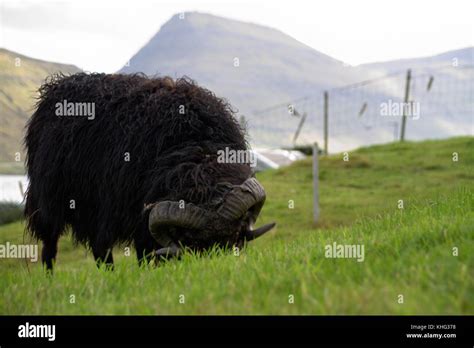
column 369, row 184
column 408, row 252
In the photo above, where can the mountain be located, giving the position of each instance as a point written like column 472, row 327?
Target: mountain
column 255, row 67
column 20, row 78
column 251, row 65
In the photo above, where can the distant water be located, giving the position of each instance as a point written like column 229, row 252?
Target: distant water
column 10, row 188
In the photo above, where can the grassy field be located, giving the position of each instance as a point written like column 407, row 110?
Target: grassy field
column 424, row 252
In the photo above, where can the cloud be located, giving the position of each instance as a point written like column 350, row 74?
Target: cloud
column 63, row 16
column 29, row 16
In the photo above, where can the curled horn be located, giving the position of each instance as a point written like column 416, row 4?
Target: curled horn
column 252, row 234
column 170, row 213
column 248, row 197
column 241, row 198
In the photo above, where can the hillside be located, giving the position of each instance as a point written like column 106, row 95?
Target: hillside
column 408, row 251
column 18, row 87
column 369, row 184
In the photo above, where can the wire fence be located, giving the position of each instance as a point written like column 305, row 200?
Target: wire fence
column 440, row 103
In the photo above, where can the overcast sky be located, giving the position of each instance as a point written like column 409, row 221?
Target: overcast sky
column 102, row 35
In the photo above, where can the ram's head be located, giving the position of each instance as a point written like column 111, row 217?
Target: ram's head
column 230, row 222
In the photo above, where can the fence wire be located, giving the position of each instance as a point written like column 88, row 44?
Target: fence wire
column 441, row 99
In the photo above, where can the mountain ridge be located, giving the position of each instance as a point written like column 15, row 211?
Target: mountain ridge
column 251, row 65
column 464, row 57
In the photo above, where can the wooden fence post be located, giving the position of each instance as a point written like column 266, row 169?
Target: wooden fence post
column 407, row 98
column 315, row 183
column 326, row 126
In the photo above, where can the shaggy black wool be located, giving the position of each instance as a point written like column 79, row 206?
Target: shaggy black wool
column 139, row 149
